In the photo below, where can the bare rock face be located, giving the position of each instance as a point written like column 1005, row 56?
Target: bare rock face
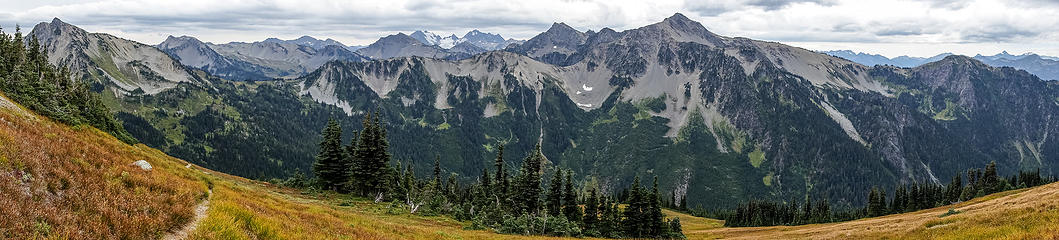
column 143, row 165
column 134, row 68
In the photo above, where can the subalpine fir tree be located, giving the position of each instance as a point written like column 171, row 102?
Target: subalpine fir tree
column 876, row 203
column 990, row 180
column 528, row 185
column 486, row 181
column 371, row 160
column 610, row 219
column 634, row 220
column 331, row 167
column 502, row 183
column 897, row 205
column 952, row 191
column 553, row 201
column 409, row 177
column 570, row 208
column 822, row 212
column 483, row 198
column 676, row 231
column 591, row 212
column 437, row 171
column 654, row 221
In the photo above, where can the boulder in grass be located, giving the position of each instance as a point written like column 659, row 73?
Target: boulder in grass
column 143, row 165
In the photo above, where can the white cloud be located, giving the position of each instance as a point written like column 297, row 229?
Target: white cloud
column 889, row 27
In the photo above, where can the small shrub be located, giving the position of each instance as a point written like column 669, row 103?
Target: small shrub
column 950, row 212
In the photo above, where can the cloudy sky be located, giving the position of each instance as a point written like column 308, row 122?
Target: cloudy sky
column 891, row 28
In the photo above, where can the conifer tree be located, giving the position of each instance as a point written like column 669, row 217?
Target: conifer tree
column 591, row 211
column 823, row 212
column 675, row 229
column 634, row 221
column 876, row 203
column 330, row 167
column 372, row 157
column 437, row 171
column 899, row 202
column 610, row 220
column 397, row 186
column 527, row 195
column 570, row 208
column 872, row 201
column 553, row 201
column 654, row 220
column 486, row 181
column 348, row 161
column 990, row 180
column 952, row 191
column 502, row 184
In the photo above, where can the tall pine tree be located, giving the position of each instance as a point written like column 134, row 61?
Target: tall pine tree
column 331, row 167
column 528, row 192
column 634, row 220
column 502, row 183
column 653, row 218
column 553, row 202
column 591, row 212
column 570, row 208
column 372, row 157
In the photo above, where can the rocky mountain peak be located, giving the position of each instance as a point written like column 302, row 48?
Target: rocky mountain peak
column 172, row 42
column 59, row 22
column 47, row 30
column 677, row 17
column 961, row 60
column 561, row 27
column 401, row 45
column 399, row 38
column 478, row 36
column 680, row 24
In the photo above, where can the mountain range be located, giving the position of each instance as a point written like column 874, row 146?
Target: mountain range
column 272, row 58
column 427, row 44
column 486, row 41
column 717, row 119
column 275, row 58
column 1045, row 67
column 313, row 42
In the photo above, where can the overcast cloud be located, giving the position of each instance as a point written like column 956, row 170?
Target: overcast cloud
column 892, row 28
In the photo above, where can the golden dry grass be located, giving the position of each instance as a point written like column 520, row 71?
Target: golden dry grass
column 58, row 182
column 1019, row 214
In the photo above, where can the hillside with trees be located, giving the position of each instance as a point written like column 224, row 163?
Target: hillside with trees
column 28, row 78
column 505, row 203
